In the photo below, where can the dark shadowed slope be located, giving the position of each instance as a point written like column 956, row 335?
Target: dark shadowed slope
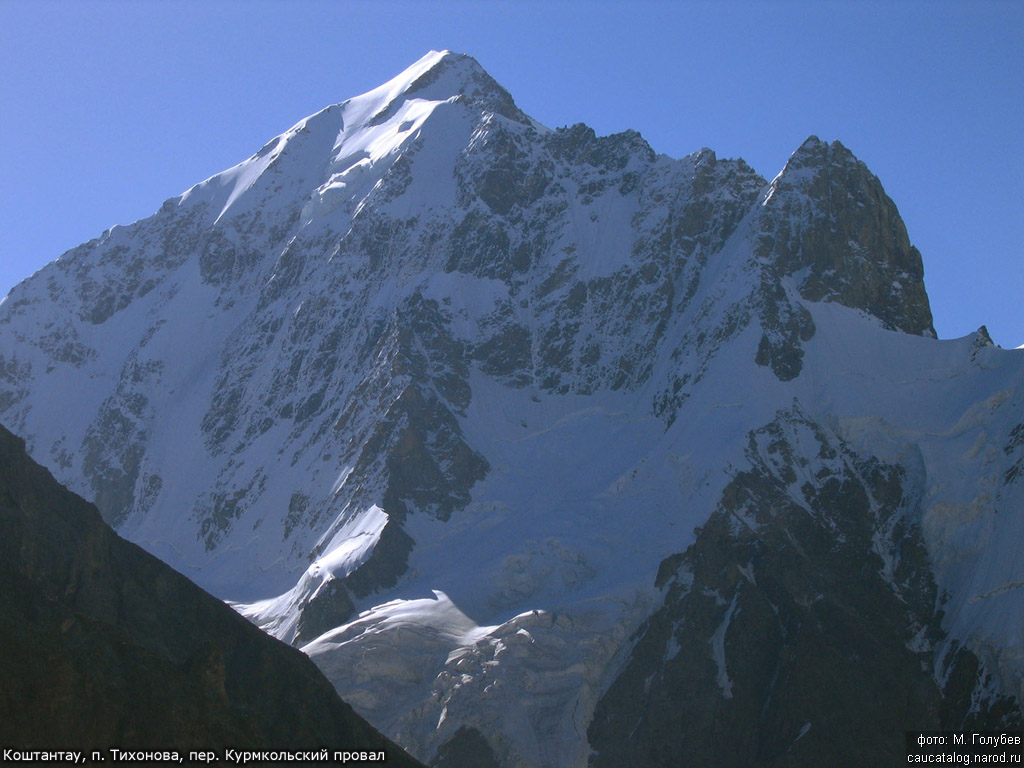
column 105, row 646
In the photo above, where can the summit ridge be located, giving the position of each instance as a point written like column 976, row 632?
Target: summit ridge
column 440, row 75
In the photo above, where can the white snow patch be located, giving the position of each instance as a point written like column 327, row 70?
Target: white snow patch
column 349, row 548
column 718, row 649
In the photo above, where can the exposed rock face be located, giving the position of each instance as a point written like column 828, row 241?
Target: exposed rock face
column 431, row 390
column 105, row 646
column 803, row 625
column 834, row 226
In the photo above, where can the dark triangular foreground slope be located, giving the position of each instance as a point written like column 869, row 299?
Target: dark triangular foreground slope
column 104, row 646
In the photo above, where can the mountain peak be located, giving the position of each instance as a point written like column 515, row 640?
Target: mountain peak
column 357, row 135
column 851, row 244
column 412, row 347
column 437, row 76
column 817, row 153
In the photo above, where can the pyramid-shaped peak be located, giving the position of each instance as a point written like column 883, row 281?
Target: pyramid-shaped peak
column 810, row 159
column 815, row 152
column 437, row 76
column 436, row 63
column 855, row 249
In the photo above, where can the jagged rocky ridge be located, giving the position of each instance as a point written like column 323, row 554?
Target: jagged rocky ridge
column 810, row 585
column 105, row 646
column 441, row 389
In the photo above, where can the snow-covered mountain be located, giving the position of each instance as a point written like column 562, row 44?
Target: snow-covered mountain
column 547, row 448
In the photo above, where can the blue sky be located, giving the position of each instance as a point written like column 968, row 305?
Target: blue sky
column 109, row 108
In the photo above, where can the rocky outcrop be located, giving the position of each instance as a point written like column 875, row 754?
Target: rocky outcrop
column 801, row 628
column 829, row 222
column 104, row 646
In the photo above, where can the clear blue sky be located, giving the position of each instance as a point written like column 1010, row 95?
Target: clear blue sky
column 109, row 108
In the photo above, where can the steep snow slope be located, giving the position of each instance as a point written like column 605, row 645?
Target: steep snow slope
column 436, row 392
